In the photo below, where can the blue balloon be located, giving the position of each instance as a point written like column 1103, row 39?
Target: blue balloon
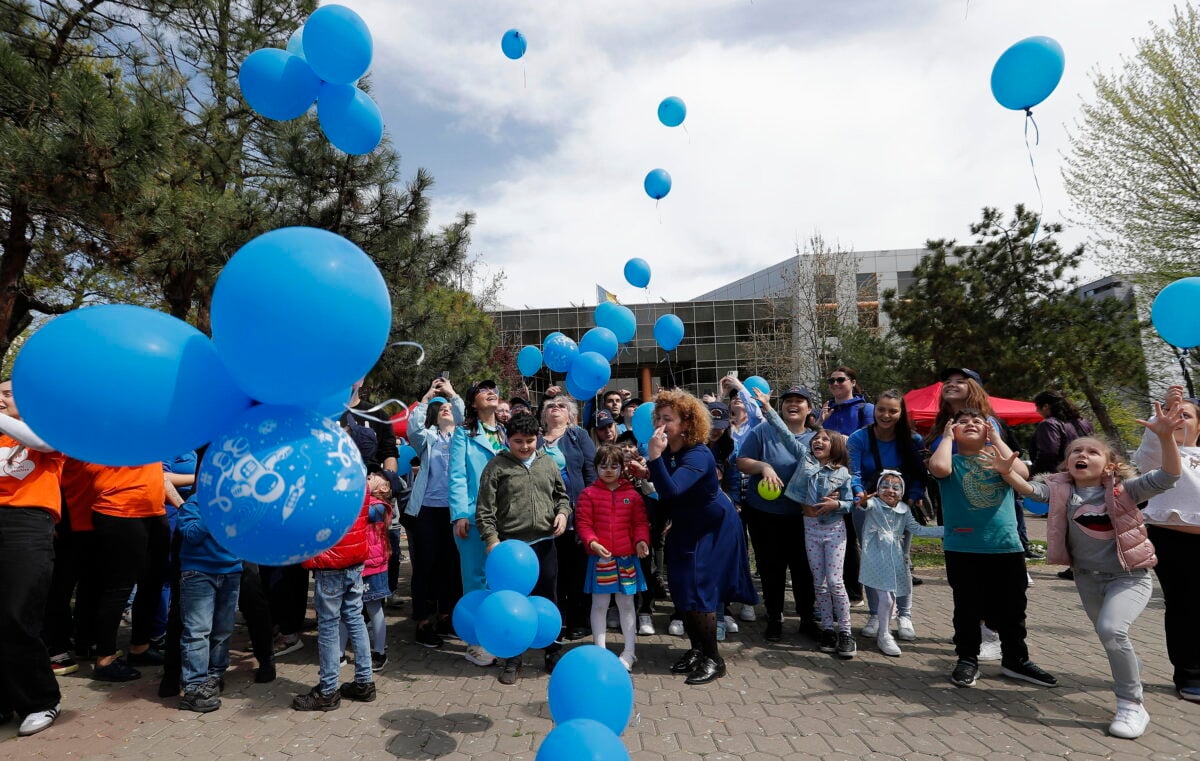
column 506, row 623
column 513, row 43
column 404, row 458
column 576, row 390
column 1035, row 508
column 1173, row 313
column 549, row 622
column 582, row 740
column 590, row 682
column 337, row 44
column 298, row 314
column 120, row 385
column 559, row 352
column 465, row 615
column 335, row 404
column 551, row 336
column 672, row 111
column 600, row 340
column 349, row 119
column 603, row 314
column 668, row 332
column 619, row 319
column 512, row 565
column 281, row 485
column 657, row 184
column 643, row 422
column 1027, row 72
column 637, row 272
column 277, row 84
column 756, row 382
column 295, row 44
column 529, row 360
column 590, row 371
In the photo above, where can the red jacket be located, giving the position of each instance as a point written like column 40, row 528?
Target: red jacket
column 351, row 550
column 616, row 518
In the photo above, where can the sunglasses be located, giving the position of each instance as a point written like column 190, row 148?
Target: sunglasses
column 556, row 406
column 835, row 381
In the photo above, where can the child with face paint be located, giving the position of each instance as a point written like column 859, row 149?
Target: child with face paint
column 1096, row 527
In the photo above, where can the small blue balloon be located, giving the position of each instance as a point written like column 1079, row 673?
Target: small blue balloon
column 277, row 84
column 464, row 617
column 549, row 622
column 1173, row 313
column 643, row 422
column 582, row 740
column 281, row 485
column 619, row 319
column 337, row 44
column 668, row 332
column 590, row 682
column 657, row 184
column 506, row 623
column 512, row 565
column 349, row 118
column 513, row 43
column 600, row 340
column 757, row 382
column 295, row 44
column 590, row 371
column 559, row 352
column 637, row 272
column 672, row 111
column 529, row 360
column 404, row 458
column 1027, row 72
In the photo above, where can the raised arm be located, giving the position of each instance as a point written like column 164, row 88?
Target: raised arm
column 21, row 431
column 941, row 462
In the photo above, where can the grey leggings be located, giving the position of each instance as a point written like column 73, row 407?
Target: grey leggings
column 1114, row 601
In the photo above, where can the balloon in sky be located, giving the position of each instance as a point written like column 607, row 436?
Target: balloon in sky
column 349, row 118
column 637, row 272
column 513, row 43
column 590, row 372
column 1173, row 313
column 337, row 44
column 657, row 184
column 757, row 382
column 277, row 84
column 668, row 332
column 672, row 111
column 529, row 360
column 1027, row 72
column 600, row 340
column 559, row 352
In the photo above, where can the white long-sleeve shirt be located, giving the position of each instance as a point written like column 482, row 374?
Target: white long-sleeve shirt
column 1179, row 506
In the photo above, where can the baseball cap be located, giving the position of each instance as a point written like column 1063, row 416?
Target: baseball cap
column 963, row 371
column 803, row 391
column 476, row 387
column 720, row 415
column 604, row 419
column 516, row 400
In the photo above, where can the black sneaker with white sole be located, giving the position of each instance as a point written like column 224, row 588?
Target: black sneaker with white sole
column 1028, row 672
column 846, row 646
column 828, row 641
column 965, row 674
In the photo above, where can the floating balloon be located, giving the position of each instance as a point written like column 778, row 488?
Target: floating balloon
column 637, row 272
column 657, row 184
column 513, row 43
column 643, row 422
column 295, row 44
column 464, row 617
column 335, row 404
column 404, row 457
column 1173, row 313
column 299, row 313
column 618, row 318
column 549, row 622
column 590, row 371
column 768, row 491
column 506, row 623
column 118, row 384
column 349, row 119
column 590, row 682
column 277, row 84
column 529, row 360
column 756, row 382
column 600, row 340
column 576, row 390
column 668, row 332
column 582, row 740
column 1027, row 72
column 512, row 565
column 672, row 111
column 559, row 352
column 281, row 485
column 337, row 44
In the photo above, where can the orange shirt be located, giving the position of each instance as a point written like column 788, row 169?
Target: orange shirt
column 29, row 478
column 134, row 491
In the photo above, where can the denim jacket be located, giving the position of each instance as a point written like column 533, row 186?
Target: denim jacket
column 812, row 481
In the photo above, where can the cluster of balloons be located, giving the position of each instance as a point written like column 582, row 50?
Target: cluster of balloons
column 504, row 619
column 591, row 702
column 323, row 61
column 1173, row 313
column 1027, row 73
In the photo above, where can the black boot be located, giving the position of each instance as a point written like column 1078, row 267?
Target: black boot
column 687, row 663
column 707, row 670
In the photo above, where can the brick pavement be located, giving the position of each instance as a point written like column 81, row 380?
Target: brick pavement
column 781, row 701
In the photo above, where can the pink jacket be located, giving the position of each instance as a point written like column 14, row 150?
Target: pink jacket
column 615, row 518
column 378, row 547
column 1134, row 549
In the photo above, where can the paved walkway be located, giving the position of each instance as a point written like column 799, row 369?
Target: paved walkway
column 781, row 701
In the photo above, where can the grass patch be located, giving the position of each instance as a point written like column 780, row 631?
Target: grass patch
column 928, row 553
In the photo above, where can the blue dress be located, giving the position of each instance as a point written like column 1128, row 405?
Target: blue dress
column 707, row 563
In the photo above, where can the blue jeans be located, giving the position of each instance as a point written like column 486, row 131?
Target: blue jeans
column 337, row 596
column 207, row 603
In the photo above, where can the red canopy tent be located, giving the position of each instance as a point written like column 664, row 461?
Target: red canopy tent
column 922, row 404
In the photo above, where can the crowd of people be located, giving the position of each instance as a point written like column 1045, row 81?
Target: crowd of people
column 831, row 493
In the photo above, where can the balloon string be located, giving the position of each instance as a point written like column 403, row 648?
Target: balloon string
column 689, row 134
column 525, row 77
column 403, row 414
column 1037, row 137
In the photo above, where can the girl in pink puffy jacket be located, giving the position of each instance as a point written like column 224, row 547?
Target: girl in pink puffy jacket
column 375, row 577
column 1095, row 526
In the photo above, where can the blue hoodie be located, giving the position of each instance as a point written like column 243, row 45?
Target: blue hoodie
column 199, row 551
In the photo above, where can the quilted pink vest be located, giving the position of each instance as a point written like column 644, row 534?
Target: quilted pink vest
column 1134, row 549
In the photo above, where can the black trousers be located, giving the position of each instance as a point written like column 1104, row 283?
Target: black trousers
column 1179, row 576
column 287, row 589
column 850, row 567
column 778, row 542
column 988, row 588
column 58, row 628
column 127, row 551
column 574, row 604
column 256, row 610
column 436, row 576
column 27, row 684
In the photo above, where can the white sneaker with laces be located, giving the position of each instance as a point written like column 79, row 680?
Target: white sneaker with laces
column 480, row 657
column 989, row 648
column 676, row 628
column 731, row 625
column 871, row 628
column 887, row 645
column 747, row 613
column 37, row 721
column 645, row 624
column 1130, row 721
column 905, row 630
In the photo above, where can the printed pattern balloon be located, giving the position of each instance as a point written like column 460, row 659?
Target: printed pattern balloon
column 559, row 352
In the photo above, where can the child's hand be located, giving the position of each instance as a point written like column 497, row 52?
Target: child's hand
column 991, row 460
column 1165, row 421
column 771, row 477
column 643, row 549
column 948, row 431
column 864, row 498
column 599, row 549
column 827, row 505
column 560, row 524
column 637, row 469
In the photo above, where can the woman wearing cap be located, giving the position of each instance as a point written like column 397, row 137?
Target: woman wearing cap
column 605, row 429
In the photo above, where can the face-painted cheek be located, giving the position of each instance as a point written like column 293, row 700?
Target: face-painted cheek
column 1094, row 522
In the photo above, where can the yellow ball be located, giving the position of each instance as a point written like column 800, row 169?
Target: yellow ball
column 768, row 492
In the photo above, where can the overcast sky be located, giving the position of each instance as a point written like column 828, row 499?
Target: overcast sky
column 870, row 121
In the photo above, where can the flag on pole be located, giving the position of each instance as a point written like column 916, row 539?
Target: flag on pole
column 603, row 295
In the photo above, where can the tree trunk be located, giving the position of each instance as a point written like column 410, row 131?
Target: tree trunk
column 13, row 260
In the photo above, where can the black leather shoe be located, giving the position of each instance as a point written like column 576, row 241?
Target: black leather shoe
column 687, row 663
column 578, row 632
column 707, row 671
column 917, row 581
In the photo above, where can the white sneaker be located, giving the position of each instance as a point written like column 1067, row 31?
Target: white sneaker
column 645, row 624
column 676, row 628
column 989, row 648
column 721, row 629
column 747, row 613
column 1129, row 723
column 731, row 625
column 905, row 630
column 613, row 620
column 1028, row 580
column 887, row 645
column 627, row 660
column 480, row 657
column 39, row 720
column 871, row 629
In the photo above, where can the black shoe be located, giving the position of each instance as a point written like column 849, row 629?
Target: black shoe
column 427, row 636
column 809, row 627
column 378, row 661
column 150, row 657
column 846, row 647
column 265, row 674
column 316, row 700
column 510, row 671
column 706, row 671
column 1066, row 573
column 774, row 631
column 169, row 686
column 1028, row 672
column 553, row 653
column 687, row 664
column 917, row 581
column 578, row 632
column 828, row 641
column 199, row 700
column 445, row 626
column 965, row 674
column 363, row 693
column 117, row 671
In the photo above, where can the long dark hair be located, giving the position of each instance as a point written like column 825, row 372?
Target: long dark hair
column 1060, row 406
column 911, row 464
column 431, row 413
column 722, row 447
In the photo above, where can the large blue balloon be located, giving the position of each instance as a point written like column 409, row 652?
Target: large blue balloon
column 600, row 340
column 121, row 385
column 559, row 352
column 281, row 485
column 657, row 184
column 643, row 422
column 337, row 44
column 582, row 740
column 335, row 404
column 668, row 332
column 590, row 371
column 299, row 313
column 1027, row 72
column 576, row 390
column 1174, row 313
column 637, row 273
column 618, row 318
column 512, row 565
column 506, row 623
column 549, row 622
column 529, row 360
column 295, row 44
column 757, row 382
column 349, row 118
column 277, row 84
column 672, row 111
column 513, row 43
column 590, row 682
column 465, row 615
